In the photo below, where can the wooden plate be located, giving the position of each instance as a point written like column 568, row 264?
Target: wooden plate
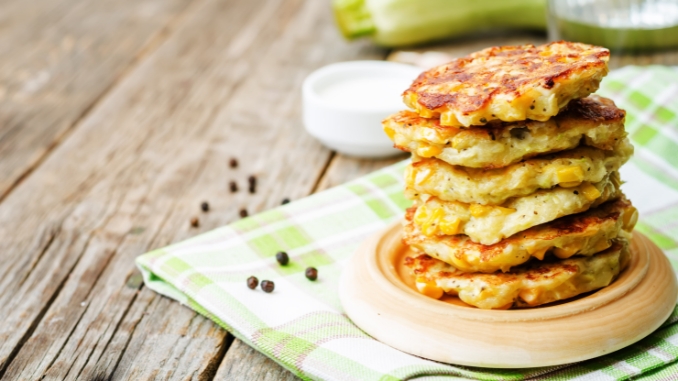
column 380, row 298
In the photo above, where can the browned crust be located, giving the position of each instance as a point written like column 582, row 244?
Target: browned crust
column 572, row 224
column 529, row 68
column 593, row 109
column 402, row 148
column 421, row 263
column 534, row 270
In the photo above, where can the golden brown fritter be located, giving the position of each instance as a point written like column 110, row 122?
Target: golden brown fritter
column 580, row 234
column 490, row 224
column 593, row 121
column 494, row 186
column 532, row 284
column 508, row 83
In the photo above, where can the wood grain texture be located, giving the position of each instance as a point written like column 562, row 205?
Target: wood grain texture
column 132, row 174
column 154, row 99
column 103, row 204
column 373, row 293
column 244, row 363
column 344, row 168
column 170, row 342
column 117, row 118
column 57, row 58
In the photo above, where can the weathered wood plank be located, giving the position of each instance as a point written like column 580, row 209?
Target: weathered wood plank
column 152, row 100
column 345, row 168
column 244, row 363
column 279, row 180
column 178, row 345
column 130, row 176
column 57, row 58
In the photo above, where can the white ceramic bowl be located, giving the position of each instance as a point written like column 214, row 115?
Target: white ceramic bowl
column 344, row 104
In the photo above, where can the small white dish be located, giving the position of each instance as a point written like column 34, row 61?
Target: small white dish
column 344, row 104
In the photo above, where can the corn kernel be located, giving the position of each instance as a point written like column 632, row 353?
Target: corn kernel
column 570, row 175
column 503, row 210
column 389, row 132
column 630, row 218
column 532, row 249
column 589, row 191
column 539, row 254
column 530, row 295
column 428, row 229
column 570, row 184
column 449, row 227
column 478, row 210
column 422, row 176
column 601, row 245
column 438, row 213
column 422, row 215
column 458, row 262
column 448, row 119
column 430, row 289
column 411, row 99
column 410, row 174
column 424, row 113
column 567, row 251
column 430, row 226
column 429, row 151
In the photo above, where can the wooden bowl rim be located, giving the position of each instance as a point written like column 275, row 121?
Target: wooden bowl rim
column 383, row 269
column 389, row 310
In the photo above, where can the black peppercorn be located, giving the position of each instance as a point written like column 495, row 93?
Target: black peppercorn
column 252, row 282
column 234, row 186
column 267, row 285
column 205, row 206
column 253, row 183
column 195, row 222
column 285, row 201
column 311, row 273
column 243, row 212
column 233, row 163
column 282, row 258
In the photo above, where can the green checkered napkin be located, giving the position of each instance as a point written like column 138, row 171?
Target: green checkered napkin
column 301, row 325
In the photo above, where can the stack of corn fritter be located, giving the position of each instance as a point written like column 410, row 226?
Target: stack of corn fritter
column 514, row 176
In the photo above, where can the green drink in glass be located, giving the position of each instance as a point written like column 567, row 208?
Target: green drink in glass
column 620, row 25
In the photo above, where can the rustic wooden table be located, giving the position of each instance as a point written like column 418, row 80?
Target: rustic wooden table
column 117, row 119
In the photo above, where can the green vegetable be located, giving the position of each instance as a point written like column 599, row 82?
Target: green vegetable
column 408, row 22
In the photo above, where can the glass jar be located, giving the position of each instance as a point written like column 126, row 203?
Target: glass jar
column 621, row 25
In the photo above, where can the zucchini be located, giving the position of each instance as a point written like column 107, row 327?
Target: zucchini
column 393, row 23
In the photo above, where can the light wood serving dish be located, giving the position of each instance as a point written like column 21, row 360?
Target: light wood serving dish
column 379, row 296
